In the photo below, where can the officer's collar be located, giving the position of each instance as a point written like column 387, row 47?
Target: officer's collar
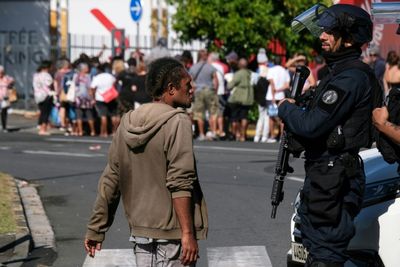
column 345, row 54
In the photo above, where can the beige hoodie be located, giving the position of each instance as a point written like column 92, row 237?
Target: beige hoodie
column 150, row 162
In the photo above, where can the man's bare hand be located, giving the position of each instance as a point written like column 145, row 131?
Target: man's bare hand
column 380, row 116
column 190, row 249
column 91, row 246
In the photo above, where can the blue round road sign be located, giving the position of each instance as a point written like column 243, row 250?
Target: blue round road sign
column 136, row 10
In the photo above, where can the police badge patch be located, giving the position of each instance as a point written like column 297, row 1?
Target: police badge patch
column 331, row 98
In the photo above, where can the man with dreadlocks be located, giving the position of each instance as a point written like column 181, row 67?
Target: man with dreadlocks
column 151, row 166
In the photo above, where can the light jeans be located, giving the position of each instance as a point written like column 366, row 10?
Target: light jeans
column 262, row 127
column 158, row 254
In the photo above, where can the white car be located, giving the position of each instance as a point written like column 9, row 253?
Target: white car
column 377, row 239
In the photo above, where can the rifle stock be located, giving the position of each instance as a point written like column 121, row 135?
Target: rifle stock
column 282, row 164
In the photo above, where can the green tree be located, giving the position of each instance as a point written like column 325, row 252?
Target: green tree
column 241, row 25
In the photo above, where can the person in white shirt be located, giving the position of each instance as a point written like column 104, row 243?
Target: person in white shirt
column 262, row 126
column 101, row 83
column 279, row 80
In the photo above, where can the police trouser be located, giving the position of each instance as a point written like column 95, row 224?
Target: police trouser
column 331, row 198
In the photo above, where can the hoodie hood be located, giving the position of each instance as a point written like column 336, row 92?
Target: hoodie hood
column 140, row 125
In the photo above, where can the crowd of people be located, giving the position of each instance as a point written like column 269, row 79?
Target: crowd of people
column 88, row 97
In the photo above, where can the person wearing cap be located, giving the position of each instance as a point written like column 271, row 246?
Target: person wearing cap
column 159, row 51
column 332, row 129
column 232, row 60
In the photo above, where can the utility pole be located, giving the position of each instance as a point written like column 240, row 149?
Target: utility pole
column 64, row 27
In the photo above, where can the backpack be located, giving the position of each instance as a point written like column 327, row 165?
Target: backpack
column 67, row 79
column 260, row 91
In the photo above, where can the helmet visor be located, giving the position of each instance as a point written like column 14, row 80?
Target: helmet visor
column 386, row 13
column 309, row 20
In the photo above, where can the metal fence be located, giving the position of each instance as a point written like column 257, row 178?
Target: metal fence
column 21, row 61
column 92, row 45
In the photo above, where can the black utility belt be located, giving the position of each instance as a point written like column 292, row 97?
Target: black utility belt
column 326, row 158
column 350, row 161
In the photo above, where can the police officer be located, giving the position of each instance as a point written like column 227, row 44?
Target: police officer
column 386, row 119
column 332, row 129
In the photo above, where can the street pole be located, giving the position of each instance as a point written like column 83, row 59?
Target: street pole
column 64, row 27
column 159, row 22
column 137, row 43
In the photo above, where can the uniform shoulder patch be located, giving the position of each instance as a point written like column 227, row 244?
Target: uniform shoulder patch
column 331, row 98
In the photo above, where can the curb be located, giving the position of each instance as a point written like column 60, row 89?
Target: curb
column 25, row 113
column 32, row 226
column 39, row 225
column 22, row 236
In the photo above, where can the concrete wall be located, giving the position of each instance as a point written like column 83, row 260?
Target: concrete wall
column 24, row 39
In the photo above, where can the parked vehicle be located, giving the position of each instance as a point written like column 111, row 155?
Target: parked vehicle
column 377, row 239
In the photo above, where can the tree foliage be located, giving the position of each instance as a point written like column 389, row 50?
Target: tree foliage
column 241, row 25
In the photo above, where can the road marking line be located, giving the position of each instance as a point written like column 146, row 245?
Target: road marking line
column 58, row 153
column 255, row 256
column 79, row 140
column 237, row 149
column 297, row 179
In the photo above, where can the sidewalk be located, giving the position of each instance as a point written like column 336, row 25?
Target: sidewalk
column 14, row 247
column 33, row 244
column 18, row 120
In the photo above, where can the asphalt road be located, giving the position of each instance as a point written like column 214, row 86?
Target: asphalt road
column 236, row 179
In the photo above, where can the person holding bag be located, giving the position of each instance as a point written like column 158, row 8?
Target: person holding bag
column 6, row 83
column 105, row 93
column 43, row 93
column 240, row 100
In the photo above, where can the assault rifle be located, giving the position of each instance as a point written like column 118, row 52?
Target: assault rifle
column 282, row 164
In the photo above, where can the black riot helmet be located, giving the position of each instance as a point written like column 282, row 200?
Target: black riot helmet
column 351, row 22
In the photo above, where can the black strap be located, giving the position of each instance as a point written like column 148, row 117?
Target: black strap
column 198, row 72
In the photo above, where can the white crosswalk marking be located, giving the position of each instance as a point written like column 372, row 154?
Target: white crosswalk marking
column 245, row 256
column 255, row 256
column 111, row 258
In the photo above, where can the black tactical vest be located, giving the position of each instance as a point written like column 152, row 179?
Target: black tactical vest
column 356, row 128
